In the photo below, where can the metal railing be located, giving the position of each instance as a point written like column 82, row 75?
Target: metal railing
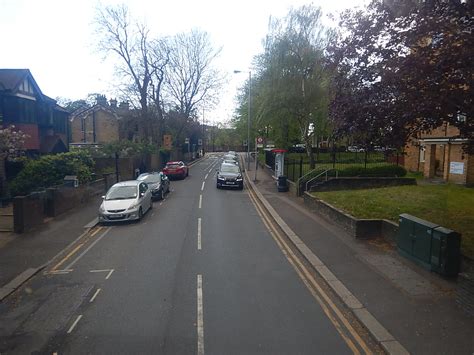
column 325, row 172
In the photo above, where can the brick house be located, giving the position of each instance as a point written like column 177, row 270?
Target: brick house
column 23, row 105
column 98, row 124
column 439, row 154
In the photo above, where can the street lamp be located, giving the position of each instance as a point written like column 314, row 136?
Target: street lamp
column 248, row 118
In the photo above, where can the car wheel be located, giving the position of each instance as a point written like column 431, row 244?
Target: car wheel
column 140, row 214
column 241, row 187
column 187, row 172
column 151, row 204
column 162, row 194
column 217, row 185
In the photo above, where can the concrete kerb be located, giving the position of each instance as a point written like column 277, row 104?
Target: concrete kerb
column 377, row 330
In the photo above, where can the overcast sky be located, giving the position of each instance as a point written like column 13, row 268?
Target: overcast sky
column 55, row 39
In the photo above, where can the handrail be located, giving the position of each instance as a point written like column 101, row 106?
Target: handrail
column 301, row 178
column 325, row 172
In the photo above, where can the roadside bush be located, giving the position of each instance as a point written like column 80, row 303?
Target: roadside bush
column 376, row 171
column 50, row 170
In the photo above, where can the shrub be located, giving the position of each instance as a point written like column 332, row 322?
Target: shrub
column 50, row 170
column 376, row 171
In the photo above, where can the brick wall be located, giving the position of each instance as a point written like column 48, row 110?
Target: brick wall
column 106, row 128
column 457, row 155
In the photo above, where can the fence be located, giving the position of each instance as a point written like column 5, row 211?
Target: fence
column 297, row 165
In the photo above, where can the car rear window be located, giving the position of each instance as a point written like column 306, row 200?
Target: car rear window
column 172, row 166
column 230, row 169
column 152, row 178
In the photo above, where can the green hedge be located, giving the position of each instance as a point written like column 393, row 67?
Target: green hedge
column 50, row 170
column 376, row 171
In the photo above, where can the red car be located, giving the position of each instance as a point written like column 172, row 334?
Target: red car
column 176, row 169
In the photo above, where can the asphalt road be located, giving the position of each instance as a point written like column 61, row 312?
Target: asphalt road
column 199, row 274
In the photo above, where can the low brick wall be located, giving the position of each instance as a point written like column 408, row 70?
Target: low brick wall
column 355, row 183
column 31, row 211
column 358, row 228
column 28, row 211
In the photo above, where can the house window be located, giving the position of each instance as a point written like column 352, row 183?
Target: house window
column 461, row 117
column 422, row 153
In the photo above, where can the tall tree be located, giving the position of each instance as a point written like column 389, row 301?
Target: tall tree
column 400, row 72
column 192, row 78
column 292, row 74
column 141, row 62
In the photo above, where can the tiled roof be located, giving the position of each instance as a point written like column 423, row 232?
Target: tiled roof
column 11, row 78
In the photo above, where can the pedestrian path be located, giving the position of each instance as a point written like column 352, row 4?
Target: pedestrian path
column 417, row 307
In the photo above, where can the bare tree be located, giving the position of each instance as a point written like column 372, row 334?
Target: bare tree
column 129, row 42
column 192, row 80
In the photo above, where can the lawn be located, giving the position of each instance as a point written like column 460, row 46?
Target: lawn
column 451, row 206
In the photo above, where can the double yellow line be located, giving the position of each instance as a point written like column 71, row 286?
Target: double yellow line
column 88, row 236
column 334, row 314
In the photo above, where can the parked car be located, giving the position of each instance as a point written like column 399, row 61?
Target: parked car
column 176, row 169
column 230, row 161
column 125, row 201
column 231, row 157
column 355, row 149
column 229, row 175
column 158, row 183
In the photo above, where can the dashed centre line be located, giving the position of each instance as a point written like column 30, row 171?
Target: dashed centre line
column 200, row 320
column 202, row 187
column 205, row 177
column 74, row 324
column 200, row 201
column 199, row 234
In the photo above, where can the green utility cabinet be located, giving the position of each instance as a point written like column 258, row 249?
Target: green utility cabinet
column 433, row 247
column 446, row 251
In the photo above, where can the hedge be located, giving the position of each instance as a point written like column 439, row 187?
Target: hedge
column 50, row 170
column 376, row 171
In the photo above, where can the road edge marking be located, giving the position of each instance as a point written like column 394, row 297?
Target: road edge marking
column 374, row 327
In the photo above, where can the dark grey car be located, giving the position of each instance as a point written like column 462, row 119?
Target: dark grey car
column 229, row 175
column 158, row 183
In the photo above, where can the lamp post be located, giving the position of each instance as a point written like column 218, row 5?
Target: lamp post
column 248, row 118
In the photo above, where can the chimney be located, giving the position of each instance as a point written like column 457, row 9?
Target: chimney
column 101, row 100
column 124, row 105
column 113, row 103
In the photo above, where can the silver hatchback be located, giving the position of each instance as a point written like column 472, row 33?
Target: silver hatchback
column 125, row 201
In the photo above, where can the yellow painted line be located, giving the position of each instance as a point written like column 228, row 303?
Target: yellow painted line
column 96, row 231
column 309, row 281
column 67, row 257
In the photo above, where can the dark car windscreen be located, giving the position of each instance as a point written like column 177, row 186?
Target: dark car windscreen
column 151, row 179
column 121, row 193
column 229, row 169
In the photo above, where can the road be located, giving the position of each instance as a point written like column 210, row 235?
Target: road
column 201, row 273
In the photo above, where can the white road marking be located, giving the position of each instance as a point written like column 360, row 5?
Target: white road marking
column 199, row 233
column 210, row 170
column 110, row 271
column 58, row 272
column 74, row 324
column 202, row 187
column 95, row 295
column 200, row 201
column 200, row 320
column 205, row 177
column 89, row 248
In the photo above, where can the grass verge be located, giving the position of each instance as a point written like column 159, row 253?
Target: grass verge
column 450, row 206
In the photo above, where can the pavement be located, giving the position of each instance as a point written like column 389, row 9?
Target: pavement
column 415, row 307
column 410, row 309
